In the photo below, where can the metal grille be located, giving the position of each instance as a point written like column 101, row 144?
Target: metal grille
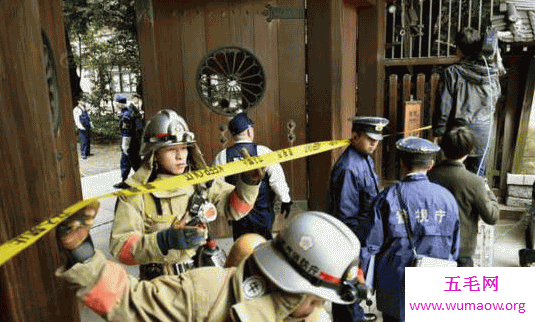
column 427, row 28
column 230, row 79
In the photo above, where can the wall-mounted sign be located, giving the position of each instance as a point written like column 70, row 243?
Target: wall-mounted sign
column 412, row 118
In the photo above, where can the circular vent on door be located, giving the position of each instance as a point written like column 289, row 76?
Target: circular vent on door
column 230, row 79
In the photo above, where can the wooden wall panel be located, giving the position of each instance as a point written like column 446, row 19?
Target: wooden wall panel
column 34, row 186
column 292, row 94
column 168, row 45
column 184, row 32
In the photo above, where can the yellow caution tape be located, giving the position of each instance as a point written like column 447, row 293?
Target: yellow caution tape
column 24, row 240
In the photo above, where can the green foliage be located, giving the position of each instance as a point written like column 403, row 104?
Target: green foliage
column 106, row 30
column 105, row 127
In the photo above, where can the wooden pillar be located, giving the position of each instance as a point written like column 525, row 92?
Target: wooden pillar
column 371, row 67
column 332, row 39
column 37, row 159
column 517, row 80
column 149, row 63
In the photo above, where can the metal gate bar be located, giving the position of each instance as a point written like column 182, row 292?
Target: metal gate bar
column 412, row 22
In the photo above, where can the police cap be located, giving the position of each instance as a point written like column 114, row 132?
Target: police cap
column 239, row 123
column 420, row 149
column 120, row 99
column 372, row 126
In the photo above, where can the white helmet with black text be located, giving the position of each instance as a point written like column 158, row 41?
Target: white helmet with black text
column 314, row 254
column 165, row 128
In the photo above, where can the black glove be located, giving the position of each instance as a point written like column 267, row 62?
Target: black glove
column 286, row 207
column 180, row 238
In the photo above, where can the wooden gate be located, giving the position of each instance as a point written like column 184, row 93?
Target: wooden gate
column 38, row 156
column 175, row 38
column 401, row 89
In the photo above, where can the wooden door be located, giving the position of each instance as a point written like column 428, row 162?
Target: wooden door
column 176, row 37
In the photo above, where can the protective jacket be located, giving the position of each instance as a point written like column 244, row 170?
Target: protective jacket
column 139, row 218
column 212, row 294
column 470, row 91
column 353, row 186
column 434, row 221
column 473, row 198
column 261, row 218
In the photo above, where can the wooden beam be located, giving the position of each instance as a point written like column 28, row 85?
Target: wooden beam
column 513, row 89
column 332, row 29
column 420, row 61
column 371, row 68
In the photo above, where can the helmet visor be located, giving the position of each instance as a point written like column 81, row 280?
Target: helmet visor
column 275, row 265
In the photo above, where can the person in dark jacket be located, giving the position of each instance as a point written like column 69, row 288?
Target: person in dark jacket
column 433, row 216
column 353, row 186
column 469, row 91
column 261, row 218
column 131, row 128
column 473, row 195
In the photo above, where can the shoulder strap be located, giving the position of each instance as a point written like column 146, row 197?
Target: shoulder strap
column 153, row 205
column 405, row 213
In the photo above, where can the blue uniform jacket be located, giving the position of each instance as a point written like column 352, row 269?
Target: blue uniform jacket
column 353, row 187
column 434, row 221
column 262, row 214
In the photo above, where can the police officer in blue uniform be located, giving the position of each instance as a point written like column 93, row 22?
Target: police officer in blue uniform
column 131, row 127
column 353, row 186
column 433, row 217
column 261, row 218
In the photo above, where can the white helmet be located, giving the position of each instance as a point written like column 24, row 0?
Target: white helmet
column 165, row 128
column 314, row 254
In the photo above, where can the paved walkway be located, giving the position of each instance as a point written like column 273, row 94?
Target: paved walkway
column 103, row 158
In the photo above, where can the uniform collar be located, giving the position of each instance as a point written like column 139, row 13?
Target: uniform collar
column 452, row 163
column 243, row 141
column 171, row 193
column 142, row 176
column 362, row 155
column 415, row 177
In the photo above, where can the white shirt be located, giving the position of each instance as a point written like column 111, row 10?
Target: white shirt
column 277, row 180
column 77, row 112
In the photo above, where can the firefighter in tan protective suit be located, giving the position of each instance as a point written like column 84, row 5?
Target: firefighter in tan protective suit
column 143, row 228
column 313, row 259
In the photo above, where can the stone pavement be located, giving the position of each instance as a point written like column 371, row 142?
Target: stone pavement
column 100, row 171
column 103, row 158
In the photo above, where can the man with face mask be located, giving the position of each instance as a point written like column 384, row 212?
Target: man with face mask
column 313, row 259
